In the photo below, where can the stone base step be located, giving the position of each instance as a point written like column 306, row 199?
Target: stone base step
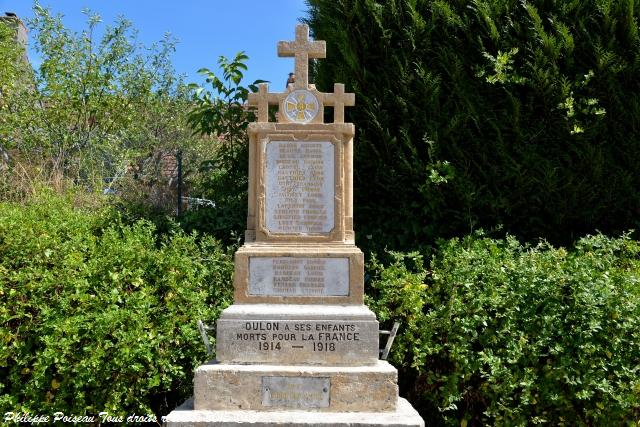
column 219, row 386
column 186, row 416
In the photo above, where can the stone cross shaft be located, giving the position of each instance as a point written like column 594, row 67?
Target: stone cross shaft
column 302, row 49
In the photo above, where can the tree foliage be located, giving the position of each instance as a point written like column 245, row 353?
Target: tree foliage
column 99, row 101
column 221, row 113
column 476, row 114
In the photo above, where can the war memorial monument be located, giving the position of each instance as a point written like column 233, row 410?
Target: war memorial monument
column 298, row 347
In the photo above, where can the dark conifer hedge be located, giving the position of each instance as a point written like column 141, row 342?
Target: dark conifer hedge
column 491, row 112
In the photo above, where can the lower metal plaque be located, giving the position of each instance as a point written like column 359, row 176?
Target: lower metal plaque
column 296, row 392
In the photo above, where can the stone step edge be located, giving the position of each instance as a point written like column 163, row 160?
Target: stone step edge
column 184, row 415
column 380, row 366
column 300, row 245
column 298, row 312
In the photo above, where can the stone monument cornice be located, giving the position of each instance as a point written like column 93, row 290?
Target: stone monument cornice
column 329, row 128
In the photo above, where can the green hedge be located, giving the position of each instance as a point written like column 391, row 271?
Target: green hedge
column 97, row 315
column 501, row 333
column 474, row 114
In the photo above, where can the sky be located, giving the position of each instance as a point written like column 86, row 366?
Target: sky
column 205, row 29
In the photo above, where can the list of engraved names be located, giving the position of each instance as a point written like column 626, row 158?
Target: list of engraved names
column 283, row 276
column 299, row 187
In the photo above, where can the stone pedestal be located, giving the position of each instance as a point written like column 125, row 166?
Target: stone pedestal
column 298, row 347
column 220, row 386
column 297, row 334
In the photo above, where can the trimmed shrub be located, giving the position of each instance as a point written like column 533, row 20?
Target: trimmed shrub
column 96, row 315
column 492, row 112
column 499, row 333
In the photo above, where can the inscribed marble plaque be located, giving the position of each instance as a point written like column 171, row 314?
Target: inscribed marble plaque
column 299, row 187
column 295, row 392
column 287, row 276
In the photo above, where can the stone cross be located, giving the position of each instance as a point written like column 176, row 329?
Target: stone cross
column 302, row 49
column 262, row 99
column 339, row 99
